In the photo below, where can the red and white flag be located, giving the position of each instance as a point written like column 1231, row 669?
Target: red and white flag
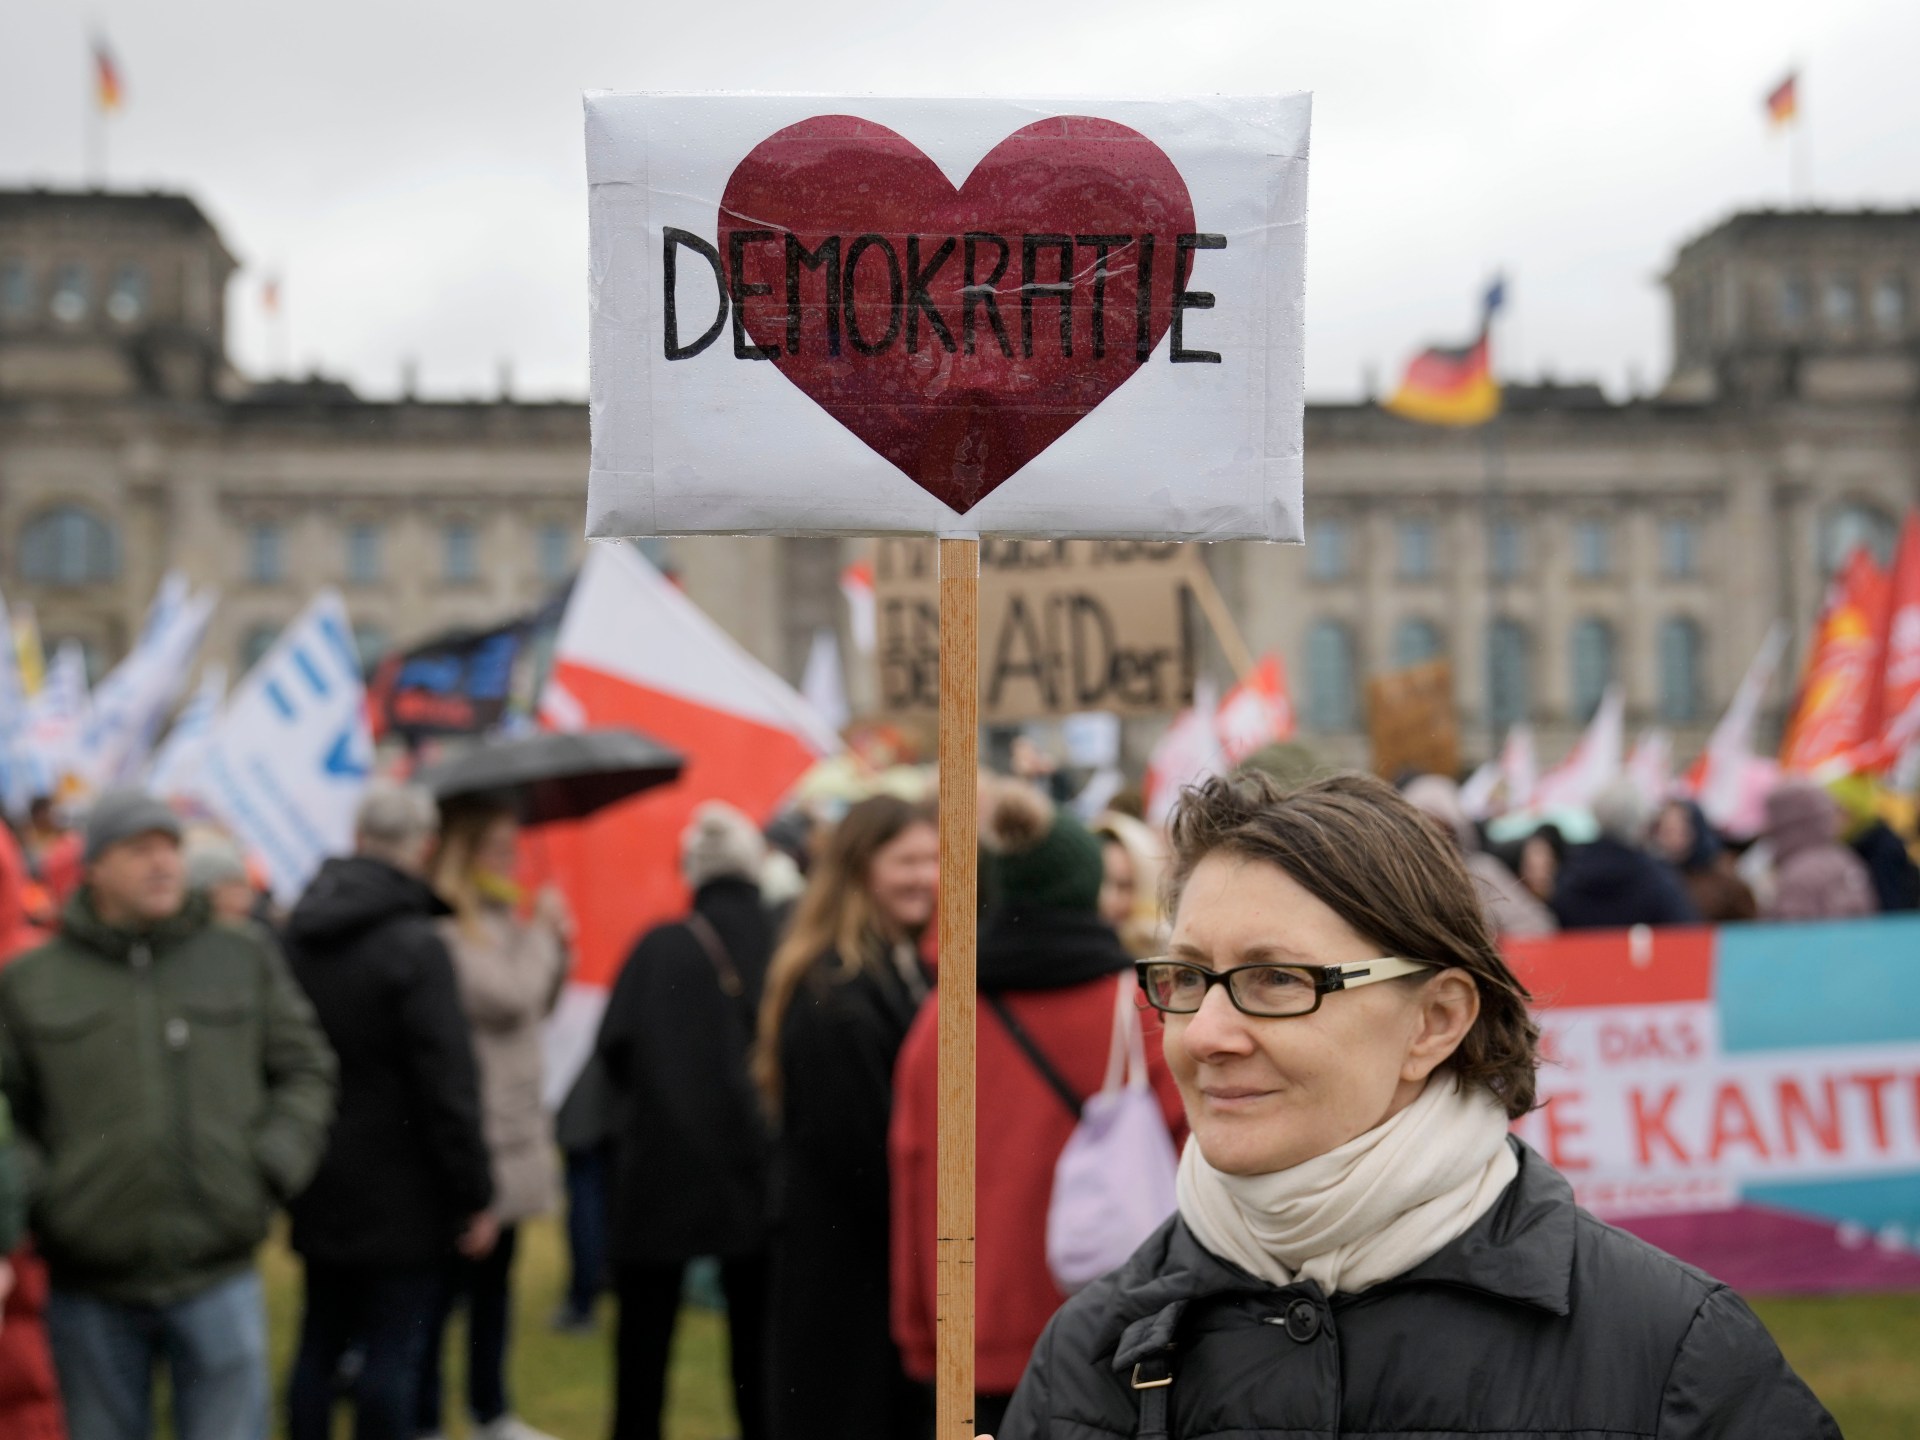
column 1187, row 753
column 1896, row 712
column 1729, row 778
column 1258, row 711
column 635, row 651
column 856, row 583
column 1593, row 762
column 1650, row 766
column 1837, row 704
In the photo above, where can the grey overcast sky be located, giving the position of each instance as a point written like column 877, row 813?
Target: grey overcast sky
column 413, row 168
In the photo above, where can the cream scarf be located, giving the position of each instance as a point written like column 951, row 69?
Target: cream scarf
column 1367, row 1211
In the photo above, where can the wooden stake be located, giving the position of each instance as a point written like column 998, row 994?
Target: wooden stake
column 1214, row 606
column 959, row 771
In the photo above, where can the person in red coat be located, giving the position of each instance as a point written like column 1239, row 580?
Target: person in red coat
column 1052, row 962
column 29, row 1393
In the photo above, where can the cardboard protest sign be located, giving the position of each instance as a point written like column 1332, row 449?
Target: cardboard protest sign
column 956, row 317
column 1746, row 1097
column 1065, row 626
column 1411, row 721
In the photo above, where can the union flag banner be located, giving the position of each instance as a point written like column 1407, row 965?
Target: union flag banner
column 1747, row 1098
column 1894, row 717
column 1831, row 714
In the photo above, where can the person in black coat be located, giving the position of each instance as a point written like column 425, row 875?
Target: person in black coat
column 1361, row 1246
column 690, row 1142
column 1613, row 882
column 406, row 1179
column 841, row 993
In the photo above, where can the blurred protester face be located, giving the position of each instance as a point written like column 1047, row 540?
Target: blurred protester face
column 1119, row 886
column 498, row 850
column 904, row 879
column 1267, row 1094
column 232, row 899
column 139, row 881
column 1539, row 866
column 1672, row 836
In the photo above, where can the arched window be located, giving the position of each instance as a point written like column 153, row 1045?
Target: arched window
column 1415, row 642
column 1592, row 654
column 1680, row 655
column 69, row 546
column 1331, row 701
column 1851, row 525
column 1509, row 677
column 259, row 639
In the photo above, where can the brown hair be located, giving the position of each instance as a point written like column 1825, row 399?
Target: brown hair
column 1353, row 843
column 463, row 828
column 835, row 916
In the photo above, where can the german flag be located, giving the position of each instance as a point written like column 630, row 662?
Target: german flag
column 1783, row 101
column 1454, row 385
column 108, row 93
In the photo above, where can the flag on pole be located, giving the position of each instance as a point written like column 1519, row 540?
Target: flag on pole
column 289, row 757
column 1895, row 711
column 179, row 765
column 132, row 703
column 1783, row 101
column 1594, row 761
column 863, row 624
column 1832, row 713
column 1724, row 778
column 56, row 725
column 1256, row 712
column 1187, row 753
column 1650, row 766
column 824, row 684
column 109, row 93
column 1454, row 385
column 30, row 658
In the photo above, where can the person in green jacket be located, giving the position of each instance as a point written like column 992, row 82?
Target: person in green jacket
column 170, row 1088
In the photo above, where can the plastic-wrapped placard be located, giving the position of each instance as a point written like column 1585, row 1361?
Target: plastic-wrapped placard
column 818, row 315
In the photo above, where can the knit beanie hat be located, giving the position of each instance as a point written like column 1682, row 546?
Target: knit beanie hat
column 721, row 843
column 1041, row 855
column 124, row 815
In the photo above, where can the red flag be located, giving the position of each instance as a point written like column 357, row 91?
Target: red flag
column 1834, row 710
column 1892, row 720
column 1258, row 711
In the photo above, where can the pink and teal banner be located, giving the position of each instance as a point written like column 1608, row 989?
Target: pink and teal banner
column 1745, row 1097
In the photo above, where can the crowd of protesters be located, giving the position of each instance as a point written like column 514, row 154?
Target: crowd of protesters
column 179, row 1065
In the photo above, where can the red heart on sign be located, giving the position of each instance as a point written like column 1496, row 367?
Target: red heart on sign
column 956, row 332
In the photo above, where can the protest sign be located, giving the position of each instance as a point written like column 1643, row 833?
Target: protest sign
column 1746, row 1097
column 1065, row 626
column 1411, row 722
column 290, row 755
column 466, row 682
column 822, row 315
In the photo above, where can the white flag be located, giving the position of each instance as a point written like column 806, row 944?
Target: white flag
column 1722, row 783
column 1650, row 766
column 57, row 723
column 1518, row 767
column 1594, row 761
column 824, row 685
column 1187, row 753
column 180, row 763
column 290, row 755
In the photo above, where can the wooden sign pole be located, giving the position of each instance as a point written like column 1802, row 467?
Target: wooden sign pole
column 959, row 853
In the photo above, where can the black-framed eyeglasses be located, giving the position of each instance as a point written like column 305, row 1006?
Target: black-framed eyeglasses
column 1266, row 992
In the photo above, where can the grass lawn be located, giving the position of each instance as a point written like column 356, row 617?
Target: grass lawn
column 1861, row 1355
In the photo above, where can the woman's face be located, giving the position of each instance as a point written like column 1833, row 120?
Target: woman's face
column 1265, row 1095
column 498, row 850
column 1673, row 834
column 1538, row 867
column 904, row 879
column 1117, row 888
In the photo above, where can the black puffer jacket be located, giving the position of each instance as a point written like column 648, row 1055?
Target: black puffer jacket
column 1539, row 1321
column 407, row 1163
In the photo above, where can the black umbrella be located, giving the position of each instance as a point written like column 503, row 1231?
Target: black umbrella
column 556, row 777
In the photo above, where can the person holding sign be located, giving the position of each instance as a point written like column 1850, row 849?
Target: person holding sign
column 1361, row 1245
column 840, row 995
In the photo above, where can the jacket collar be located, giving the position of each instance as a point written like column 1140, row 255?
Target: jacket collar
column 81, row 923
column 1520, row 1251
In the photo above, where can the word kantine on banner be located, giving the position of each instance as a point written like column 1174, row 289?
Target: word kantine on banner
column 869, row 293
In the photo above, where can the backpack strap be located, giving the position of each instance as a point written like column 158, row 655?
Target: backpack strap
column 1152, row 1379
column 723, row 967
column 1031, row 1049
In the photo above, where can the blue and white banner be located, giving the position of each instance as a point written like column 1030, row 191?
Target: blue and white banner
column 290, row 755
column 179, row 766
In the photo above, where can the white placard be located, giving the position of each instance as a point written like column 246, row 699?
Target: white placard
column 817, row 315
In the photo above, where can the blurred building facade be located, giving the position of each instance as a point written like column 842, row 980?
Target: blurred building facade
column 1575, row 542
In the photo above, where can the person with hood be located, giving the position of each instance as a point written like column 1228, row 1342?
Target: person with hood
column 1896, row 879
column 1048, row 965
column 1682, row 837
column 1511, row 908
column 1132, row 855
column 511, row 968
column 1815, row 877
column 171, row 1090
column 1362, row 1247
column 841, row 993
column 1613, row 883
column 690, row 1147
column 406, row 1179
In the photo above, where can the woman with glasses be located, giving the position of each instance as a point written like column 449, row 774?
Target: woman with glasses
column 1361, row 1248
